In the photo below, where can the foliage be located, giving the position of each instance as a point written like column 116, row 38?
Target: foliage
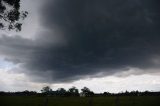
column 46, row 90
column 10, row 15
column 73, row 91
column 87, row 92
column 61, row 91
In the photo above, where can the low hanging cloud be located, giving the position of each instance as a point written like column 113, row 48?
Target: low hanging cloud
column 87, row 37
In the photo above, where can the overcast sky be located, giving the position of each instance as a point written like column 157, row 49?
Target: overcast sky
column 106, row 45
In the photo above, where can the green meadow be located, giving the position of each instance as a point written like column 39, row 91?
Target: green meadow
column 80, row 101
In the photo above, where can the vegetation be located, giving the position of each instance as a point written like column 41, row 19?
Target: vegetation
column 46, row 90
column 72, row 97
column 74, row 92
column 10, row 15
column 87, row 92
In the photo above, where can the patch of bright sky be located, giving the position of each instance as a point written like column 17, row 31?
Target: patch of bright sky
column 5, row 64
column 117, row 84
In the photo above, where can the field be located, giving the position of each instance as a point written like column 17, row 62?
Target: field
column 79, row 101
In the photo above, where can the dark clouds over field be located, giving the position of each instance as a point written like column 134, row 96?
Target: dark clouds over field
column 86, row 37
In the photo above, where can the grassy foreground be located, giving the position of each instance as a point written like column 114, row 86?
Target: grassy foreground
column 80, row 101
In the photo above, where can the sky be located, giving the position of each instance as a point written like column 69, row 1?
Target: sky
column 106, row 45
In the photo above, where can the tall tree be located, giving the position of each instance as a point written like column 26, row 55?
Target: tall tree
column 73, row 91
column 10, row 15
column 46, row 89
column 61, row 91
column 87, row 92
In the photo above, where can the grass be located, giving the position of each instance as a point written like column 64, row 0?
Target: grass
column 80, row 101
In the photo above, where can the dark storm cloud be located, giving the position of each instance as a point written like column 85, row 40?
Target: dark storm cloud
column 86, row 37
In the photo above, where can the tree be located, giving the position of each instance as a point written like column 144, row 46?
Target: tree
column 107, row 94
column 10, row 15
column 46, row 90
column 73, row 91
column 61, row 91
column 87, row 92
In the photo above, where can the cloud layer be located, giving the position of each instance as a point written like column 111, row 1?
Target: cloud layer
column 87, row 37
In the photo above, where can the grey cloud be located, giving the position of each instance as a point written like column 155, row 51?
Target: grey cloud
column 87, row 37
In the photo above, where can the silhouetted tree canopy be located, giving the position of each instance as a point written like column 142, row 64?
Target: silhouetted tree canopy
column 87, row 91
column 73, row 91
column 61, row 91
column 46, row 89
column 10, row 15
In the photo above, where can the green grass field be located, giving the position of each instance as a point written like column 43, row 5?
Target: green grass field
column 80, row 101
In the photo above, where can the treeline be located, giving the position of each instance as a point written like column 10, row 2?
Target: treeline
column 132, row 93
column 73, row 91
